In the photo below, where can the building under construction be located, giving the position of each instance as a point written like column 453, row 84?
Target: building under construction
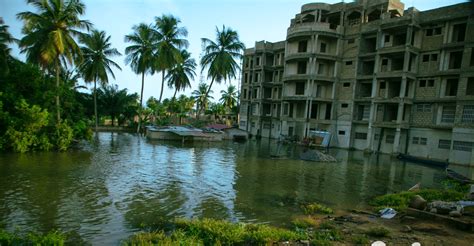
column 377, row 76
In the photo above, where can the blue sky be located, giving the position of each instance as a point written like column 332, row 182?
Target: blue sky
column 254, row 20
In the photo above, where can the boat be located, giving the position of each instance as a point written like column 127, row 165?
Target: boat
column 450, row 173
column 421, row 160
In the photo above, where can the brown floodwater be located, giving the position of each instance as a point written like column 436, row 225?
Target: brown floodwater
column 104, row 191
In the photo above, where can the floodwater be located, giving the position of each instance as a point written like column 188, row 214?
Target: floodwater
column 104, row 191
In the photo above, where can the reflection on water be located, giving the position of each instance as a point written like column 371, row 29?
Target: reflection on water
column 105, row 191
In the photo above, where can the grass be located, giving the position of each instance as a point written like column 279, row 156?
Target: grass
column 305, row 223
column 360, row 240
column 215, row 232
column 52, row 238
column 378, row 232
column 316, row 208
column 400, row 201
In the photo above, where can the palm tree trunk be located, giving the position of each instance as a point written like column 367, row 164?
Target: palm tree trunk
column 207, row 93
column 162, row 84
column 95, row 106
column 174, row 96
column 58, row 110
column 141, row 101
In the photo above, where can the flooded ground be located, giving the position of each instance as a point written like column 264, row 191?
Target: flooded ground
column 106, row 190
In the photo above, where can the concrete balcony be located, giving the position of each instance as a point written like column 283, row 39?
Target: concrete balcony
column 300, row 56
column 295, row 97
column 308, row 29
column 391, row 124
column 291, row 77
column 394, row 100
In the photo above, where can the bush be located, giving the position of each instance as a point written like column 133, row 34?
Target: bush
column 378, row 232
column 304, row 223
column 401, row 200
column 64, row 136
column 52, row 238
column 215, row 232
column 360, row 240
column 316, row 208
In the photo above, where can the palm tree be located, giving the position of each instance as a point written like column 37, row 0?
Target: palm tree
column 49, row 35
column 140, row 54
column 179, row 76
column 201, row 96
column 219, row 56
column 5, row 39
column 96, row 65
column 229, row 97
column 117, row 103
column 171, row 41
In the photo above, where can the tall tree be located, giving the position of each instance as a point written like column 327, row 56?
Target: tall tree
column 220, row 56
column 229, row 97
column 172, row 39
column 140, row 54
column 202, row 97
column 97, row 65
column 180, row 74
column 49, row 35
column 116, row 103
column 5, row 39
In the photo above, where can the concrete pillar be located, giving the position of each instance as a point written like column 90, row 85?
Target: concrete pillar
column 396, row 142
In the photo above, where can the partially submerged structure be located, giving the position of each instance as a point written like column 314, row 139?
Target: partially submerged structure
column 377, row 76
column 181, row 133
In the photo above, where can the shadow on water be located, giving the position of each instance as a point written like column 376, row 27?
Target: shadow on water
column 119, row 182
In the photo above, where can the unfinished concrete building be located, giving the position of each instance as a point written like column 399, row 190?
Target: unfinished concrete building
column 377, row 76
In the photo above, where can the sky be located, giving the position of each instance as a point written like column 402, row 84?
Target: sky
column 254, row 20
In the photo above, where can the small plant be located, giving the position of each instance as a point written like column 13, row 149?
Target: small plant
column 327, row 235
column 316, row 208
column 378, row 232
column 401, row 200
column 360, row 240
column 304, row 223
column 52, row 238
column 215, row 232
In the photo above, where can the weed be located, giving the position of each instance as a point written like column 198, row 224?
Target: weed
column 316, row 208
column 378, row 232
column 360, row 240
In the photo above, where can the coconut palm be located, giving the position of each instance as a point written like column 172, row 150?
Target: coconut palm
column 171, row 41
column 96, row 65
column 220, row 56
column 229, row 97
column 201, row 96
column 5, row 39
column 49, row 35
column 117, row 103
column 179, row 76
column 140, row 54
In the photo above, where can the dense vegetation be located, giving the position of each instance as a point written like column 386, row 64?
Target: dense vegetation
column 41, row 106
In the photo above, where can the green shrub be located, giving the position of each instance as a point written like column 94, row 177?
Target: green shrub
column 316, row 208
column 64, row 136
column 360, row 240
column 304, row 223
column 378, row 232
column 215, row 232
column 401, row 200
column 53, row 238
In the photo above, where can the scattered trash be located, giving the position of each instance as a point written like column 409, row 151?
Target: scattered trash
column 415, row 187
column 378, row 243
column 445, row 207
column 316, row 155
column 387, row 213
column 416, row 244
